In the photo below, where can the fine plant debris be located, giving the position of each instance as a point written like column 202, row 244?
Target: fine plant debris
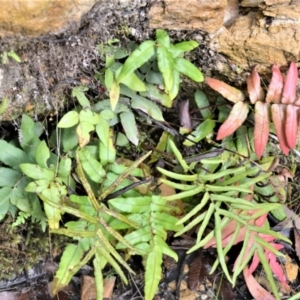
column 97, row 179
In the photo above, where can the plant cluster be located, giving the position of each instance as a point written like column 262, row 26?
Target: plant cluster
column 230, row 198
column 279, row 102
column 116, row 211
column 10, row 54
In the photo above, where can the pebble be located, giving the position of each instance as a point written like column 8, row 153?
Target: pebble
column 201, row 288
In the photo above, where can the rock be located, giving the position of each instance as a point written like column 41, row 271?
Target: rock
column 233, row 36
column 266, row 36
column 189, row 14
column 231, row 12
column 247, row 33
column 33, row 18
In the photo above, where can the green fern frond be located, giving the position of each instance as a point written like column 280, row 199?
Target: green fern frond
column 155, row 221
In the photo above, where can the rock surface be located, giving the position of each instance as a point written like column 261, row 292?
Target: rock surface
column 34, row 18
column 247, row 33
column 190, row 14
column 268, row 34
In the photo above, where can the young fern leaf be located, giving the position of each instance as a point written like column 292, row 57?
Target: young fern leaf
column 262, row 127
column 290, row 85
column 230, row 93
column 278, row 117
column 291, row 125
column 275, row 87
column 236, row 118
column 255, row 90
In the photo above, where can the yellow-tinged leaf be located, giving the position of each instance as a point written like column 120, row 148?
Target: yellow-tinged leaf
column 87, row 291
column 230, row 93
column 109, row 78
column 83, row 134
column 54, row 194
column 114, row 94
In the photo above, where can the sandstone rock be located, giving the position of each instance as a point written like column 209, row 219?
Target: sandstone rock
column 266, row 36
column 189, row 14
column 33, row 18
column 231, row 12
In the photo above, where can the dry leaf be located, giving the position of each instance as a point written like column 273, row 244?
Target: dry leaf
column 109, row 284
column 165, row 191
column 185, row 117
column 291, row 269
column 88, row 288
column 194, row 272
